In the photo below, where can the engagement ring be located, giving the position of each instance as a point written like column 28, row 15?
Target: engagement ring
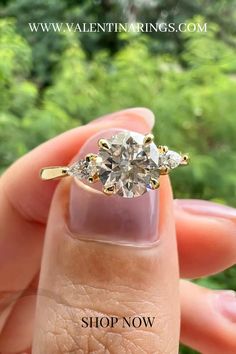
column 127, row 164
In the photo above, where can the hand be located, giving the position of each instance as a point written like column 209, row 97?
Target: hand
column 80, row 278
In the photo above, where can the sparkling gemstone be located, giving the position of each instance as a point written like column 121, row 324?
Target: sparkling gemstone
column 169, row 159
column 83, row 169
column 128, row 164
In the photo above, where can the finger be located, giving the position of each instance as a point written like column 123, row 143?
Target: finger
column 206, row 237
column 24, row 204
column 208, row 319
column 104, row 260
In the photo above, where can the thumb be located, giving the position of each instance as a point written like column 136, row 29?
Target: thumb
column 109, row 279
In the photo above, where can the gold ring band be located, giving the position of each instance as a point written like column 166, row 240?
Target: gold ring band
column 127, row 164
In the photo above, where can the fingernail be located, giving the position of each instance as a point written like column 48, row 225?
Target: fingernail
column 203, row 207
column 226, row 304
column 145, row 114
column 96, row 216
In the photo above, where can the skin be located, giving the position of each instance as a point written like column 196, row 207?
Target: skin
column 136, row 280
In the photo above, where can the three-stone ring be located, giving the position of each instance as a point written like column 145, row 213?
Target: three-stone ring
column 127, row 164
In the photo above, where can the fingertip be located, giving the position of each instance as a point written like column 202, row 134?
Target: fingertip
column 142, row 114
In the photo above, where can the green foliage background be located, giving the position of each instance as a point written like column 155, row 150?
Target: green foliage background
column 50, row 82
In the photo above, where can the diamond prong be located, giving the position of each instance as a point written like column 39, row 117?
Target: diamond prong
column 109, row 190
column 164, row 170
column 163, row 148
column 93, row 179
column 155, row 184
column 103, row 144
column 148, row 139
column 91, row 157
column 185, row 159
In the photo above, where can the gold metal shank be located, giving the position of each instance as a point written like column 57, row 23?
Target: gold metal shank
column 54, row 172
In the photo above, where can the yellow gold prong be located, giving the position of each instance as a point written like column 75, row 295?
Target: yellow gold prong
column 109, row 190
column 163, row 148
column 93, row 179
column 148, row 139
column 91, row 157
column 185, row 160
column 164, row 170
column 155, row 184
column 103, row 144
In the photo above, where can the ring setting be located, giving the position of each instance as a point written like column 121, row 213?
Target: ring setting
column 128, row 164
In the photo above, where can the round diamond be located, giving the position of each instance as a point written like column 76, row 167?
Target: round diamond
column 128, row 164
